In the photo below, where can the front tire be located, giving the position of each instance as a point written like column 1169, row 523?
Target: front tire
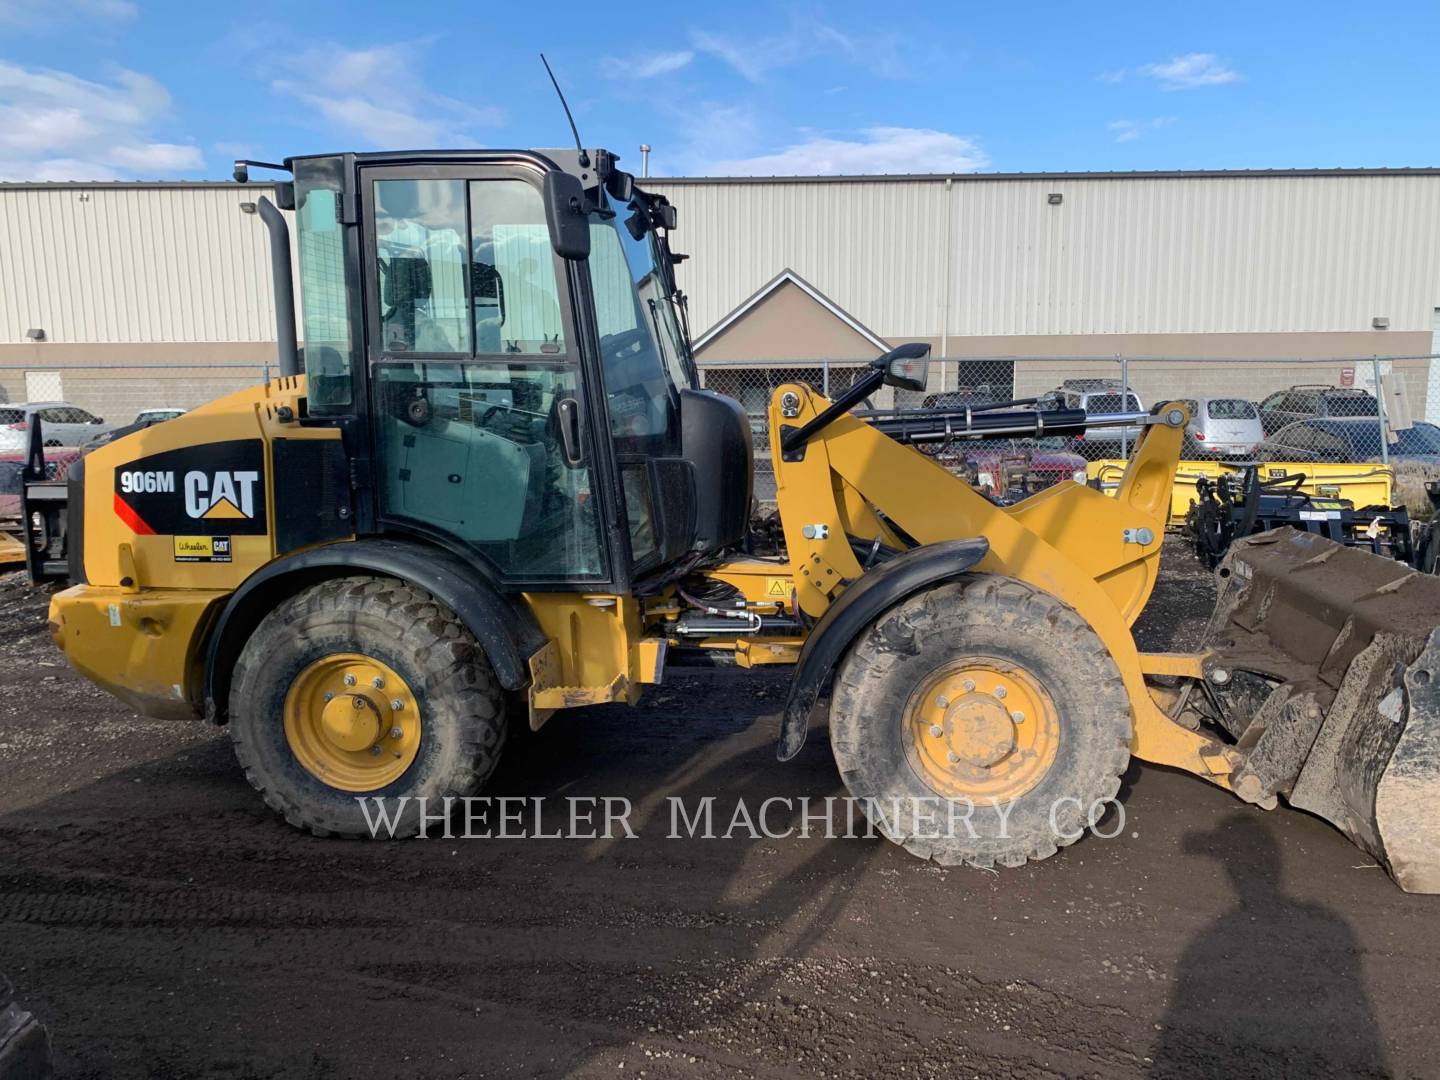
column 364, row 688
column 984, row 695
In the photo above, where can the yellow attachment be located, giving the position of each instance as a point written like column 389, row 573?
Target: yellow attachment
column 981, row 728
column 352, row 722
column 11, row 550
column 1364, row 485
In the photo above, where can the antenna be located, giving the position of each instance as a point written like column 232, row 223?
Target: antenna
column 584, row 157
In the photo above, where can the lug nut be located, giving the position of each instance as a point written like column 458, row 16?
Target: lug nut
column 396, row 732
column 936, row 730
column 942, row 702
column 378, row 682
column 969, row 685
column 1219, row 676
column 1000, row 691
column 375, row 750
column 396, row 704
column 1018, row 716
column 329, row 696
column 954, row 757
column 349, row 680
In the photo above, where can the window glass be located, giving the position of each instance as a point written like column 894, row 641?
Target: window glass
column 55, row 415
column 1422, row 438
column 512, row 272
column 12, row 416
column 420, row 252
column 1230, row 409
column 327, row 307
column 473, row 450
column 1350, row 405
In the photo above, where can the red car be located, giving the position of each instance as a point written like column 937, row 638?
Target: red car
column 1008, row 470
column 12, row 467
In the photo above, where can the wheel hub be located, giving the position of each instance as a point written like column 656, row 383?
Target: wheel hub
column 978, row 730
column 352, row 722
column 981, row 728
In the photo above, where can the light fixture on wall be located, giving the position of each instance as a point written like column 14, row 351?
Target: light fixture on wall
column 1380, row 322
column 247, row 208
column 36, row 334
column 1055, row 198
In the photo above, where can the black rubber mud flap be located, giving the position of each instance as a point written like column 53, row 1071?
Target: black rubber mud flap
column 858, row 606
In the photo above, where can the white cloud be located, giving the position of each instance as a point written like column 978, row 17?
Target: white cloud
column 31, row 15
column 1130, row 130
column 753, row 58
column 1190, row 71
column 379, row 95
column 58, row 126
column 877, row 150
column 645, row 67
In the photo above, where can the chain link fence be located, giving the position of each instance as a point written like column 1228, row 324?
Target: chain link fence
column 1372, row 410
column 1329, row 411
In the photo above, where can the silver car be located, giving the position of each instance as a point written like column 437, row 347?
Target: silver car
column 61, row 423
column 1222, row 427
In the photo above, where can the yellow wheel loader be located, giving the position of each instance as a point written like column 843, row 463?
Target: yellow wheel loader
column 491, row 489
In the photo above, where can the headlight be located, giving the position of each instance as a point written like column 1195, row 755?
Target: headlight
column 1079, row 476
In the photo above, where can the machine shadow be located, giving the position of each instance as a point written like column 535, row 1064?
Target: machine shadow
column 1272, row 987
column 682, row 933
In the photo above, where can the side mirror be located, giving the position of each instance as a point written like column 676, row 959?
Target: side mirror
column 566, row 216
column 907, row 367
column 620, row 185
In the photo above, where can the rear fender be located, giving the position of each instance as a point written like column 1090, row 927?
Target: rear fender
column 858, row 606
column 504, row 626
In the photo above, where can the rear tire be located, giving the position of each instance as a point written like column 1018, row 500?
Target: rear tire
column 965, row 658
column 455, row 720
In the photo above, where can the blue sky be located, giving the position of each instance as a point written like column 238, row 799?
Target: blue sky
column 97, row 89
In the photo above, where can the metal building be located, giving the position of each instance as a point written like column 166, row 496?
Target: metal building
column 112, row 277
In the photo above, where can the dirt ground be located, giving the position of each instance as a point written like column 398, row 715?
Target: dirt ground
column 165, row 923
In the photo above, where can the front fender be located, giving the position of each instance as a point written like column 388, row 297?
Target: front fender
column 860, row 605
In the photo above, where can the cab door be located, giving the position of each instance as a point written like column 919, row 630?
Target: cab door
column 480, row 420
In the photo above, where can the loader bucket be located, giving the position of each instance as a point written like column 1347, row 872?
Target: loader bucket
column 1325, row 668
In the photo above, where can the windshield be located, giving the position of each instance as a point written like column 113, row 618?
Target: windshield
column 642, row 344
column 1230, row 409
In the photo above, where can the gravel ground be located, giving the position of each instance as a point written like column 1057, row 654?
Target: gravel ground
column 164, row 923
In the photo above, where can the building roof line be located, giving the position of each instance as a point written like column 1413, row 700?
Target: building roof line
column 850, row 178
column 981, row 177
column 787, row 275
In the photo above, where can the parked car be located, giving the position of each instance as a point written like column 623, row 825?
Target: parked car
column 1097, row 396
column 1320, row 401
column 1007, row 470
column 63, row 424
column 146, row 418
column 155, row 416
column 1354, row 439
column 1222, row 427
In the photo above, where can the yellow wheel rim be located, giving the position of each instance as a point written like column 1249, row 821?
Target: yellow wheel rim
column 981, row 728
column 352, row 722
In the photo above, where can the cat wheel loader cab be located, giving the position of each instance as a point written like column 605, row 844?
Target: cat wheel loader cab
column 493, row 490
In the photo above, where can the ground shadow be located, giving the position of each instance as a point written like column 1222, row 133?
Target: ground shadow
column 1272, row 987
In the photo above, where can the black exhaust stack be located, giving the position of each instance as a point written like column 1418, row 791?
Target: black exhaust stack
column 284, row 286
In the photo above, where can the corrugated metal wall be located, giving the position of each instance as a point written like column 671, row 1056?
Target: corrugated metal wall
column 1117, row 256
column 141, row 264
